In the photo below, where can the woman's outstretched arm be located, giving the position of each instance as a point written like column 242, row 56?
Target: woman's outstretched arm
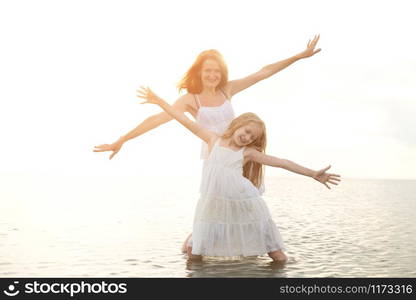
column 192, row 126
column 321, row 175
column 145, row 126
column 235, row 86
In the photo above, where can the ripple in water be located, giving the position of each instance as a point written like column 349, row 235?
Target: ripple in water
column 362, row 228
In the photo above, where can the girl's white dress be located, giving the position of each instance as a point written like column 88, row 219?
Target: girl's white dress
column 216, row 119
column 231, row 218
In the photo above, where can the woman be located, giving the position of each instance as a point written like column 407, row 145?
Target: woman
column 208, row 97
column 208, row 94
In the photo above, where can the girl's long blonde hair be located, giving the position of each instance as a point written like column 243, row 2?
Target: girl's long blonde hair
column 253, row 171
column 191, row 81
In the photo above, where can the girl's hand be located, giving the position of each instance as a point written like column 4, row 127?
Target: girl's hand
column 325, row 178
column 310, row 48
column 147, row 94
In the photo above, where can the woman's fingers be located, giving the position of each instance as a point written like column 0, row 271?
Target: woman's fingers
column 102, row 145
column 312, row 44
column 335, row 177
column 320, row 172
column 101, row 148
column 114, row 153
column 315, row 40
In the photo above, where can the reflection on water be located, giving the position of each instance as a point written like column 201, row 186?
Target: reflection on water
column 131, row 227
column 245, row 267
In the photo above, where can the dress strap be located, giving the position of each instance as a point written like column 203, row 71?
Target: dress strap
column 198, row 103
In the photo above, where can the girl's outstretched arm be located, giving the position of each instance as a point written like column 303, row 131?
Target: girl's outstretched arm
column 235, row 86
column 321, row 175
column 195, row 128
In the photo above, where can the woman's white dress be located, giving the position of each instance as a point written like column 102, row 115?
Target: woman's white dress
column 231, row 217
column 214, row 118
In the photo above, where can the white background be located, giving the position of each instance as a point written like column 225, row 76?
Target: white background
column 69, row 71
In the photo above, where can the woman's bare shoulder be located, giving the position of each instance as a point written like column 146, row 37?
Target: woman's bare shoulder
column 188, row 101
column 187, row 98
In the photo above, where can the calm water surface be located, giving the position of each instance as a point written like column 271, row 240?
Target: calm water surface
column 67, row 226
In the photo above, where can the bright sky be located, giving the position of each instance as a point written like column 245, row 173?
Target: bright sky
column 69, row 71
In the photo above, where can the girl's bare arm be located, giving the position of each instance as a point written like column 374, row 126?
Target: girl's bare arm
column 321, row 175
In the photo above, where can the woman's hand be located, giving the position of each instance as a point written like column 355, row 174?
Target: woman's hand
column 147, row 94
column 115, row 147
column 325, row 178
column 310, row 48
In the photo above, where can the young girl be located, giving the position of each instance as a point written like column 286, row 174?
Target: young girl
column 231, row 217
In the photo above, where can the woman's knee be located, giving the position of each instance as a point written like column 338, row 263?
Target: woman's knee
column 185, row 244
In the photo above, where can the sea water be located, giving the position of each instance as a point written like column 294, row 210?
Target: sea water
column 103, row 226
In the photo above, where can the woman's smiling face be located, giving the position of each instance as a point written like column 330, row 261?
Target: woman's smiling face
column 210, row 73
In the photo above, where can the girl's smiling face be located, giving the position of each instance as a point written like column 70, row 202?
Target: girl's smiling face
column 210, row 73
column 247, row 134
